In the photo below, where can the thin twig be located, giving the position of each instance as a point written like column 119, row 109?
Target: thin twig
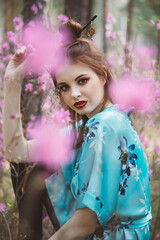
column 9, row 232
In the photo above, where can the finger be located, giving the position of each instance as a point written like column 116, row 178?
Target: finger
column 21, row 51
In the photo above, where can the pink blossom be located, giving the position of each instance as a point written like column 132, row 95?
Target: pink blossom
column 53, row 146
column 152, row 23
column 142, row 137
column 34, row 9
column 157, row 149
column 40, row 5
column 18, row 23
column 61, row 117
column 40, row 80
column 158, row 235
column 144, row 56
column 5, row 46
column 7, row 58
column 17, row 20
column 111, row 35
column 46, row 218
column 157, row 94
column 108, row 27
column 32, row 117
column 151, row 123
column 129, row 92
column 109, row 17
column 11, row 37
column 48, row 45
column 42, row 87
column 150, row 172
column 158, row 25
column 63, row 18
column 16, row 115
column 29, row 87
column 2, row 207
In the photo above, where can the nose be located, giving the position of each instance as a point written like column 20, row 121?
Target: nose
column 75, row 92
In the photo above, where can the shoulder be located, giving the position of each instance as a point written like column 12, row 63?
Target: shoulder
column 110, row 117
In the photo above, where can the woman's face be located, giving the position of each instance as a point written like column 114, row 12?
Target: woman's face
column 81, row 88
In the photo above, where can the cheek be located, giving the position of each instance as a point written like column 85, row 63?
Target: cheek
column 96, row 90
column 65, row 99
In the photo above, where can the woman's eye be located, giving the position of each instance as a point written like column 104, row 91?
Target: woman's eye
column 64, row 88
column 83, row 80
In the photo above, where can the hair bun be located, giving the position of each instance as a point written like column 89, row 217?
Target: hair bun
column 73, row 27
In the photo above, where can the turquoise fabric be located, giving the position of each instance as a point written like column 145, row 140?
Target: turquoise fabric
column 108, row 174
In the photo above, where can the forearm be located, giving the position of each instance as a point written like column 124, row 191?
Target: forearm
column 82, row 224
column 14, row 141
column 70, row 232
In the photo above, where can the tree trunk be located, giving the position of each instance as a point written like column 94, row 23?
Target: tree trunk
column 158, row 46
column 28, row 179
column 79, row 10
column 27, row 12
column 105, row 3
column 9, row 13
column 129, row 21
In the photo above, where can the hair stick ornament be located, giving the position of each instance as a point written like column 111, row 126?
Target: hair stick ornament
column 91, row 29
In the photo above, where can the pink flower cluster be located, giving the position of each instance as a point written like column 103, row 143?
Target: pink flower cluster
column 130, row 92
column 158, row 25
column 152, row 24
column 63, row 18
column 5, row 46
column 29, row 87
column 49, row 51
column 109, row 26
column 11, row 37
column 54, row 140
column 144, row 56
column 18, row 23
column 61, row 117
column 35, row 8
column 2, row 207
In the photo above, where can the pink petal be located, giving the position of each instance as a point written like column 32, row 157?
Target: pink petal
column 132, row 93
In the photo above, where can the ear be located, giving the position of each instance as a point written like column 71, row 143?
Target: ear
column 104, row 78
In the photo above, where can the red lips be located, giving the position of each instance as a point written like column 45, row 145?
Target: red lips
column 80, row 104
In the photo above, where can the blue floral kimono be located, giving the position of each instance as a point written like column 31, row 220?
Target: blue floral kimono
column 108, row 174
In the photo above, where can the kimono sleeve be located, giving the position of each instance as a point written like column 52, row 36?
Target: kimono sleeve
column 99, row 170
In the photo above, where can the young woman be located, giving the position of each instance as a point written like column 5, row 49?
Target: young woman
column 104, row 192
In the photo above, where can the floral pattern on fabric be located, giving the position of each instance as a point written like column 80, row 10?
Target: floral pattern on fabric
column 109, row 175
column 128, row 162
column 89, row 130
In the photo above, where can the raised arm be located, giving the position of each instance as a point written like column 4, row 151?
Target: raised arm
column 15, row 144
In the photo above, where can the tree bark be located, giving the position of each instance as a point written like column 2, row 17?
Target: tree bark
column 158, row 46
column 79, row 10
column 105, row 3
column 27, row 13
column 27, row 179
column 129, row 21
column 9, row 13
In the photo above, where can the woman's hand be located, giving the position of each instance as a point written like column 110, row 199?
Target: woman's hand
column 18, row 66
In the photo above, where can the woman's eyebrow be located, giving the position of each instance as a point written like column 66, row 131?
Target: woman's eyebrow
column 82, row 75
column 61, row 83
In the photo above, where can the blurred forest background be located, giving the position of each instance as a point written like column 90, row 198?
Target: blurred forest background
column 129, row 23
